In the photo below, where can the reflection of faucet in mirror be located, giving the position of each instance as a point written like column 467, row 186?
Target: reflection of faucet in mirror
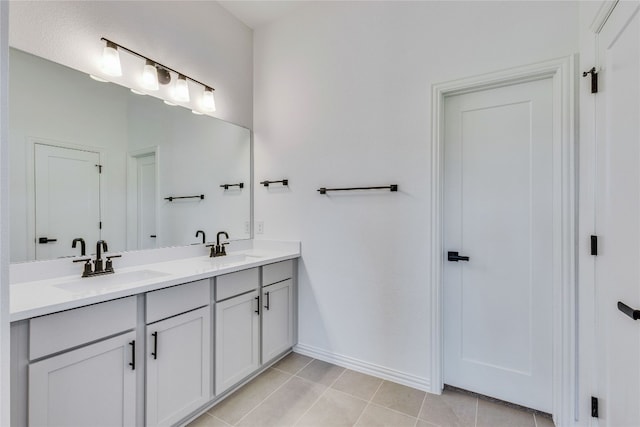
column 83, row 248
column 203, row 235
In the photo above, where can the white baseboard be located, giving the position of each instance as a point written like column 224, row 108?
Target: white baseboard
column 392, row 375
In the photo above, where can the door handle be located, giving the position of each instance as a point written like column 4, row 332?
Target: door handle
column 453, row 256
column 43, row 240
column 634, row 314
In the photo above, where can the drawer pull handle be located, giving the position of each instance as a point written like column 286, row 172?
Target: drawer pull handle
column 257, row 310
column 268, row 300
column 154, row 353
column 133, row 355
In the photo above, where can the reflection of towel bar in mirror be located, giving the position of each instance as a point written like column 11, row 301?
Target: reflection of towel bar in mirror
column 226, row 186
column 284, row 182
column 392, row 187
column 172, row 198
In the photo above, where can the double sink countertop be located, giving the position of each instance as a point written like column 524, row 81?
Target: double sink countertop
column 45, row 295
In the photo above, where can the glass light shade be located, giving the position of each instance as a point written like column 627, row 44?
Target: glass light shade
column 181, row 90
column 170, row 103
column 208, row 101
column 111, row 60
column 137, row 92
column 197, row 113
column 98, row 79
column 150, row 76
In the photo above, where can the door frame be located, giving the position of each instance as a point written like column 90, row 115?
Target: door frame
column 132, row 193
column 562, row 73
column 31, row 184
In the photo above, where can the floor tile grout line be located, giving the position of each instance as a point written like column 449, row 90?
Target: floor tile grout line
column 263, row 400
column 475, row 421
column 369, row 402
column 321, row 394
column 424, row 400
column 221, row 420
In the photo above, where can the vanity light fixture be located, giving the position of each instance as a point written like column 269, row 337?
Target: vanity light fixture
column 181, row 90
column 197, row 113
column 98, row 79
column 208, row 102
column 137, row 92
column 111, row 59
column 150, row 76
column 170, row 103
column 155, row 74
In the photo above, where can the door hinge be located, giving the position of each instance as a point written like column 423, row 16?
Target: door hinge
column 594, row 245
column 594, row 407
column 99, row 168
column 594, row 79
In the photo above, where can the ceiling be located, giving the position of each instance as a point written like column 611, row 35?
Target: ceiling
column 256, row 13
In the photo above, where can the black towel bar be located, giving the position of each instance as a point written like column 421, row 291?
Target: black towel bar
column 392, row 187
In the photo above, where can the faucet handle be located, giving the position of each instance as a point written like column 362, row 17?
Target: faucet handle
column 87, row 266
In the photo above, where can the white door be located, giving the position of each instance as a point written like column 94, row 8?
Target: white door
column 617, row 265
column 498, row 211
column 67, row 199
column 178, row 366
column 146, row 166
column 237, row 339
column 91, row 386
column 277, row 319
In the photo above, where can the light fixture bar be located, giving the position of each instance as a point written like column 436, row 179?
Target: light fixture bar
column 156, row 62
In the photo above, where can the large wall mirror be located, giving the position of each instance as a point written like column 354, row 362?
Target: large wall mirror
column 94, row 161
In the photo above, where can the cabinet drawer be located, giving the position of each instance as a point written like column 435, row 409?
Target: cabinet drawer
column 60, row 331
column 236, row 283
column 177, row 299
column 277, row 272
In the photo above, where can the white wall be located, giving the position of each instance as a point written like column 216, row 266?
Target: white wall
column 342, row 98
column 198, row 38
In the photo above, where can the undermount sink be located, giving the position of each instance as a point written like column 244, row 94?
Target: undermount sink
column 110, row 280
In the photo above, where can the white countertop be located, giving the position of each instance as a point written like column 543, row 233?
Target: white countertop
column 39, row 297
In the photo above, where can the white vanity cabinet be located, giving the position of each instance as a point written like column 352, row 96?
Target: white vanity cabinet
column 237, row 327
column 80, row 374
column 178, row 352
column 277, row 313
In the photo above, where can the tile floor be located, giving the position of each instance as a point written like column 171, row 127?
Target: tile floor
column 300, row 391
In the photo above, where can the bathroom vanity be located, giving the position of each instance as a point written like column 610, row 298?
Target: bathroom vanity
column 158, row 343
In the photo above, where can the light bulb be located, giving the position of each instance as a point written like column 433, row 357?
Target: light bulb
column 181, row 89
column 150, row 76
column 208, row 102
column 111, row 60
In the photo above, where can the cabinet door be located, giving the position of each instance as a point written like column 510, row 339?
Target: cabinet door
column 277, row 319
column 237, row 339
column 91, row 386
column 178, row 366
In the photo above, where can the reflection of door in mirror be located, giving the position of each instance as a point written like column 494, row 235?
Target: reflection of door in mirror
column 67, row 199
column 146, row 201
column 142, row 199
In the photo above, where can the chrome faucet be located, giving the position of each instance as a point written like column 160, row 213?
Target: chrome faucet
column 219, row 248
column 98, row 268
